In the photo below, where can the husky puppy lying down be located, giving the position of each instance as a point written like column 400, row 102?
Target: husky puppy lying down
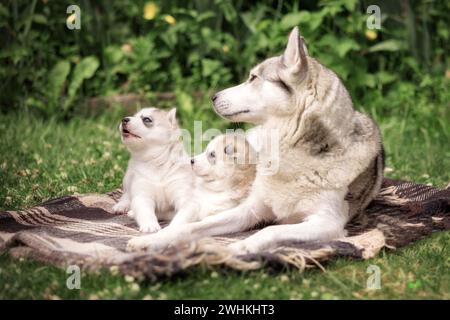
column 223, row 173
column 330, row 157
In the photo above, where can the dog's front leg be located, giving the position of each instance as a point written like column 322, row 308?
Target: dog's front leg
column 319, row 226
column 143, row 209
column 240, row 218
column 187, row 214
column 123, row 205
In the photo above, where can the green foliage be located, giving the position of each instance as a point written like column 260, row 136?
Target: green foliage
column 55, row 101
column 85, row 69
column 56, row 80
column 145, row 47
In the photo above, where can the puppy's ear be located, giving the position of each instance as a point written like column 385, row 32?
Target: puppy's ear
column 172, row 117
column 294, row 56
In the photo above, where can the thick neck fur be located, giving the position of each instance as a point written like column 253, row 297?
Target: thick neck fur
column 324, row 141
column 160, row 155
column 320, row 93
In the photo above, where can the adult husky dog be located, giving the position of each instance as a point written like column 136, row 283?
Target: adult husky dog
column 330, row 156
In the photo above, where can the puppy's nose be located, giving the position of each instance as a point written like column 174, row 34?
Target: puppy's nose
column 192, row 161
column 215, row 97
column 125, row 120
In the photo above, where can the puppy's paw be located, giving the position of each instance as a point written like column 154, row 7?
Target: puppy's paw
column 121, row 207
column 150, row 227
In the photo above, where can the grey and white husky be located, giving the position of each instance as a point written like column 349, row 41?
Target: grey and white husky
column 330, row 156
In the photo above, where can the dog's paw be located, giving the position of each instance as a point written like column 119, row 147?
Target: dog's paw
column 242, row 247
column 149, row 242
column 138, row 243
column 121, row 207
column 150, row 227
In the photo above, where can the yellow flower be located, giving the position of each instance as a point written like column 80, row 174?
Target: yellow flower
column 226, row 49
column 150, row 10
column 371, row 35
column 169, row 19
column 70, row 19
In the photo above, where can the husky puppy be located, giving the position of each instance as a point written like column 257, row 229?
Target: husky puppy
column 159, row 179
column 330, row 163
column 224, row 173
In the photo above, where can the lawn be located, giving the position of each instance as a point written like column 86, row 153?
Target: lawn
column 43, row 159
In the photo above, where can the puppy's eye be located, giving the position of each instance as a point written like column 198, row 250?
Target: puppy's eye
column 147, row 121
column 212, row 154
column 252, row 77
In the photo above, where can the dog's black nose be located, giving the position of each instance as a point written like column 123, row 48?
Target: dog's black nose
column 125, row 120
column 215, row 97
column 192, row 161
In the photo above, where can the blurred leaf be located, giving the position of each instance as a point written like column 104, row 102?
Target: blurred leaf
column 388, row 45
column 369, row 80
column 4, row 12
column 170, row 39
column 209, row 67
column 350, row 4
column 384, row 77
column 426, row 81
column 412, row 63
column 316, row 19
column 83, row 70
column 442, row 30
column 228, row 10
column 40, row 18
column 345, row 45
column 185, row 102
column 253, row 17
column 56, row 79
column 294, row 19
column 205, row 16
column 113, row 54
column 15, row 52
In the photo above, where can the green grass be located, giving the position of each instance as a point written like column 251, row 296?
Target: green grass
column 417, row 272
column 42, row 159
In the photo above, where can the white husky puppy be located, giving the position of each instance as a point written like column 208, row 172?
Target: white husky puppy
column 159, row 179
column 224, row 173
column 330, row 162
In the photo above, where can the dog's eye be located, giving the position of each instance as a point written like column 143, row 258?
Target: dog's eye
column 212, row 154
column 147, row 121
column 252, row 77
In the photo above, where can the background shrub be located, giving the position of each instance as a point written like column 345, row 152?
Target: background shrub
column 189, row 46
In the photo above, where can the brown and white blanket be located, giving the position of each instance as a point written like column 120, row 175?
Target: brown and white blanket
column 82, row 230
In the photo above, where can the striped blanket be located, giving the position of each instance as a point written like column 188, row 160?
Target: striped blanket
column 82, row 230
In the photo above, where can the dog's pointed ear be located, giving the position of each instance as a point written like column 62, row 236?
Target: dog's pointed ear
column 294, row 56
column 172, row 117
